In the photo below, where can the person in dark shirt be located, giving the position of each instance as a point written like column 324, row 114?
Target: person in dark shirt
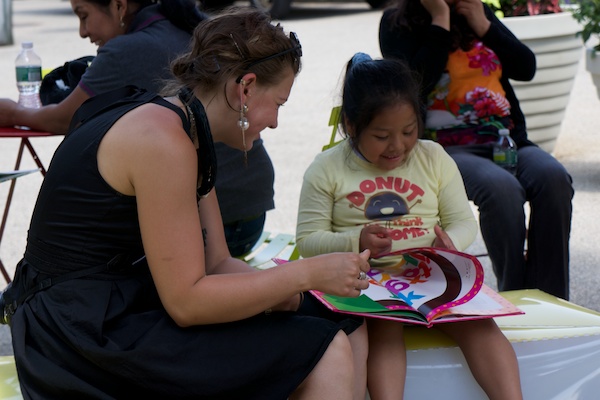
column 465, row 57
column 136, row 39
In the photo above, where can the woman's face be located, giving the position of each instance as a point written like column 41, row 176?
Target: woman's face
column 96, row 22
column 263, row 110
column 387, row 141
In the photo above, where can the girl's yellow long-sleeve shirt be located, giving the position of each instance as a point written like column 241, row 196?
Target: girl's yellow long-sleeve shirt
column 342, row 192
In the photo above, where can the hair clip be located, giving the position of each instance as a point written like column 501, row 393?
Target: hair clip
column 236, row 46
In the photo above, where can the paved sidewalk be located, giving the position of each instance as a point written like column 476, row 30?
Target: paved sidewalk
column 330, row 34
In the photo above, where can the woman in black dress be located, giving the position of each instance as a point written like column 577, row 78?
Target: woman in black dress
column 127, row 288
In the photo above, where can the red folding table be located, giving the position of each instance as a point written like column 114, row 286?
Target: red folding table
column 24, row 135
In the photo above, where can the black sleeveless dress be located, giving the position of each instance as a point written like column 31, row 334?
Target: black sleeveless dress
column 107, row 336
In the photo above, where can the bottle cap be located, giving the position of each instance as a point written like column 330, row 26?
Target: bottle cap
column 503, row 131
column 27, row 45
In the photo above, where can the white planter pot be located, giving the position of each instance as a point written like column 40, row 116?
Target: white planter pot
column 592, row 65
column 558, row 51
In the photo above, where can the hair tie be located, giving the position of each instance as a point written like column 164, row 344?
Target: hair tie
column 359, row 58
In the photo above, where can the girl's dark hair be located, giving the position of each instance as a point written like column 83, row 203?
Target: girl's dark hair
column 372, row 86
column 184, row 14
column 411, row 14
column 236, row 41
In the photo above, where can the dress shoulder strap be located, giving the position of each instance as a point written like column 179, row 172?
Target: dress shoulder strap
column 114, row 99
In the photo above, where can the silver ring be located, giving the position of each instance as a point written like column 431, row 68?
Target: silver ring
column 362, row 276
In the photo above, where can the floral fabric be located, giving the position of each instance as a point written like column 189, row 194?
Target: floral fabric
column 468, row 104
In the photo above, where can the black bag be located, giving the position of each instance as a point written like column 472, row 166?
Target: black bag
column 60, row 82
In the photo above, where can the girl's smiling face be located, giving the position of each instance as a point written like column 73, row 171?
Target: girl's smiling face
column 389, row 138
column 96, row 22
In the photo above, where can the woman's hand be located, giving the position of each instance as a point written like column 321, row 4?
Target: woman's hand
column 442, row 240
column 7, row 111
column 375, row 238
column 474, row 13
column 340, row 273
column 439, row 11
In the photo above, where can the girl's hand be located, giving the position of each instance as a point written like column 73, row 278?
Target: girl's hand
column 474, row 13
column 376, row 239
column 339, row 273
column 442, row 240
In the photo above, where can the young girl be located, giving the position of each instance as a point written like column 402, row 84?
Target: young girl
column 342, row 209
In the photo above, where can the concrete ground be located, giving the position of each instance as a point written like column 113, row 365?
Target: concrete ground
column 330, row 34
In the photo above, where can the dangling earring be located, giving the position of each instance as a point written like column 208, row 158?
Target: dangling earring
column 122, row 24
column 243, row 123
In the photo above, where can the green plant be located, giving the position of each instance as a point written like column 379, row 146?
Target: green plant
column 515, row 8
column 588, row 15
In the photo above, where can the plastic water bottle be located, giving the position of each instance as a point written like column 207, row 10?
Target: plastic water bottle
column 505, row 152
column 29, row 76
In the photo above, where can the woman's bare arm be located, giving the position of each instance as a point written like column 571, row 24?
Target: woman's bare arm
column 147, row 154
column 54, row 118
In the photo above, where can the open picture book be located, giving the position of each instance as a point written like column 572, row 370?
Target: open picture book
column 425, row 286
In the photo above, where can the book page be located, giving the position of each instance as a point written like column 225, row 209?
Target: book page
column 424, row 281
column 485, row 303
column 428, row 280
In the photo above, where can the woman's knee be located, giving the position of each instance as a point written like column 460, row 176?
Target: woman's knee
column 333, row 374
column 502, row 196
column 558, row 182
column 339, row 351
column 490, row 184
column 543, row 172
